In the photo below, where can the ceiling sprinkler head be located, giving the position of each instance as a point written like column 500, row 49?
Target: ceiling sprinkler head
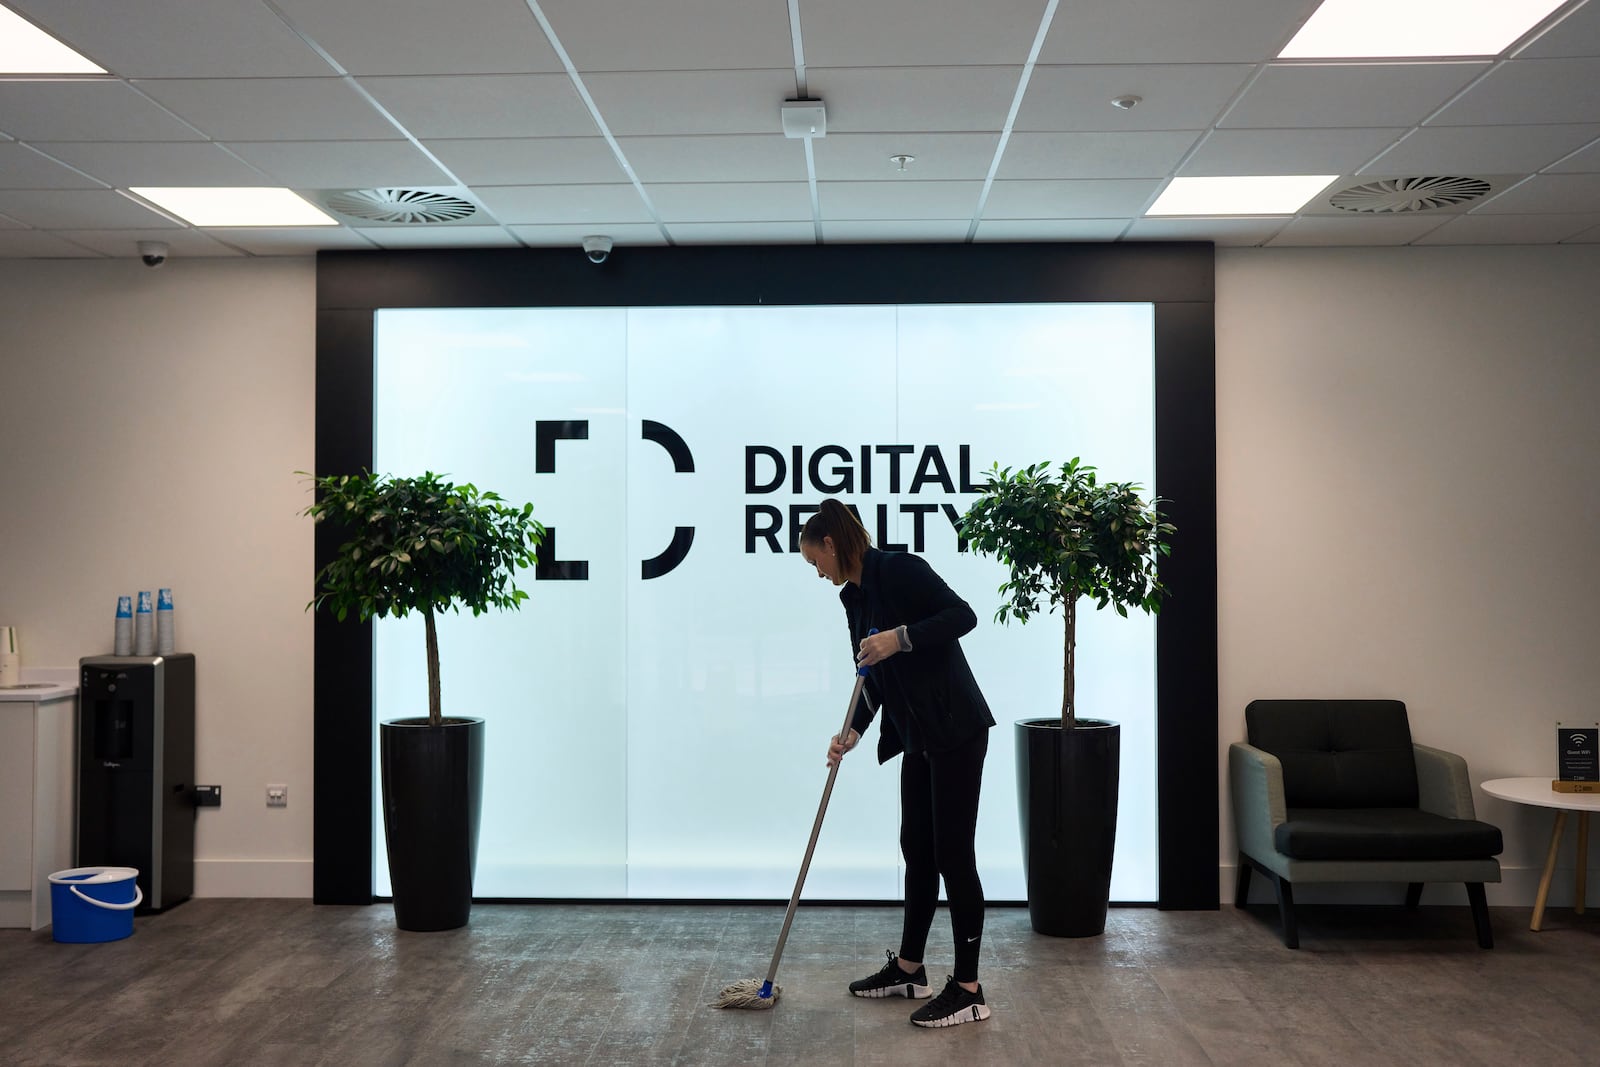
column 901, row 160
column 1126, row 103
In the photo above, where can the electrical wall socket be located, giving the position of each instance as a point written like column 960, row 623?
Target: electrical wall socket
column 277, row 796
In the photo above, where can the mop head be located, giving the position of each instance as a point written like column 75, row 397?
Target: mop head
column 748, row 994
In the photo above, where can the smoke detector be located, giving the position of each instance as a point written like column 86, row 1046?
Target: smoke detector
column 400, row 207
column 1399, row 196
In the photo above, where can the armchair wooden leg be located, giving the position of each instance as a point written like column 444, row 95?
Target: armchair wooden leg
column 1241, row 885
column 1413, row 896
column 1480, row 914
column 1291, row 934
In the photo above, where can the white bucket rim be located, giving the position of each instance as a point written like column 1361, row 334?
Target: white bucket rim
column 93, row 875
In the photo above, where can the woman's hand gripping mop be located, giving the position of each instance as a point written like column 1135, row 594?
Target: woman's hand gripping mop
column 753, row 992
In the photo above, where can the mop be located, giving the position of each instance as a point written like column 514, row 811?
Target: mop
column 754, row 993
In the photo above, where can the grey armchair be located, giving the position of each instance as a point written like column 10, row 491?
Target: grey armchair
column 1335, row 791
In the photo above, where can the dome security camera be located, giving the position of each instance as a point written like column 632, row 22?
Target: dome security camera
column 597, row 247
column 153, row 253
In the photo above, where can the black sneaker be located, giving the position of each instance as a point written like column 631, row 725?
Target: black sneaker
column 893, row 981
column 952, row 1007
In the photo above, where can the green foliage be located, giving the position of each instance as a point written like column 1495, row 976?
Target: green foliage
column 1067, row 536
column 420, row 544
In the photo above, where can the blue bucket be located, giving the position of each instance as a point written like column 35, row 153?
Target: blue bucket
column 89, row 904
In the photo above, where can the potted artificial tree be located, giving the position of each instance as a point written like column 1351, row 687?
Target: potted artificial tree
column 1066, row 539
column 423, row 544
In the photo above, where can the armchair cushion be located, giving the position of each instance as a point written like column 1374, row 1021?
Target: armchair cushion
column 1383, row 834
column 1338, row 753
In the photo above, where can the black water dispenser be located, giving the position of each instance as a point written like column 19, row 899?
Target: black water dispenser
column 136, row 771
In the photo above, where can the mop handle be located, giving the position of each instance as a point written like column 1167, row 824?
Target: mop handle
column 816, row 828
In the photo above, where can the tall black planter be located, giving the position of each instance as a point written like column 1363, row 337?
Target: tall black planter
column 1067, row 803
column 432, row 801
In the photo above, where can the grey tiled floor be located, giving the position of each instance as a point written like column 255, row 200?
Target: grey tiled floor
column 286, row 983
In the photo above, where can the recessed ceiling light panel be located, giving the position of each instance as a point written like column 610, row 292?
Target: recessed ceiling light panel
column 26, row 49
column 1274, row 194
column 1376, row 29
column 235, row 206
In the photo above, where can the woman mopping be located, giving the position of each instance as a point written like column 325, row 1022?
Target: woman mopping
column 935, row 714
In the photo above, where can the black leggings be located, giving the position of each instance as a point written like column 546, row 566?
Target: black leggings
column 938, row 824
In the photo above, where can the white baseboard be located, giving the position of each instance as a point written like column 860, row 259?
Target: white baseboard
column 252, row 878
column 1516, row 889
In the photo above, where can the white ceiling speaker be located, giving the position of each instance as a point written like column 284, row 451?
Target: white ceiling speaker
column 1399, row 196
column 804, row 118
column 400, row 207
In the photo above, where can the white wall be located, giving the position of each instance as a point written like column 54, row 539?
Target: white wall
column 1407, row 502
column 151, row 422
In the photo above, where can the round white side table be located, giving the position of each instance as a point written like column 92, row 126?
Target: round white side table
column 1537, row 792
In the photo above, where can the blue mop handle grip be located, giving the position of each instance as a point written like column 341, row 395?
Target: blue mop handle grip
column 863, row 669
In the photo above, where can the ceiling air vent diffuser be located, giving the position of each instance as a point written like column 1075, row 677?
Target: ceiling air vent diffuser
column 401, row 206
column 1393, row 196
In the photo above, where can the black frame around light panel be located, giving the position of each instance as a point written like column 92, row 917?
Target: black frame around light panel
column 1177, row 278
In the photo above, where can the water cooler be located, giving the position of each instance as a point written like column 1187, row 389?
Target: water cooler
column 136, row 771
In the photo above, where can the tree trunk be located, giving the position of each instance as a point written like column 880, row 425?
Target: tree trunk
column 1069, row 707
column 434, row 716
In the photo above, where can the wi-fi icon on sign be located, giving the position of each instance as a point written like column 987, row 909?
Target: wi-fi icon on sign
column 1579, row 739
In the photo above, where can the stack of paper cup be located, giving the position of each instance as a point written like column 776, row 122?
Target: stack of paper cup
column 164, row 635
column 124, row 642
column 10, row 660
column 144, row 626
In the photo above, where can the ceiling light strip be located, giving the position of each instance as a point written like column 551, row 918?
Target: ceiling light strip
column 1011, row 115
column 803, row 92
column 594, row 113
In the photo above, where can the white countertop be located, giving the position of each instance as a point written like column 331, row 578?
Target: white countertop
column 43, row 684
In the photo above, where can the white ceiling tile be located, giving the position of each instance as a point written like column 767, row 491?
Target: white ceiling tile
column 1244, row 233
column 1094, row 155
column 898, row 200
column 86, row 111
column 1290, row 95
column 1160, row 31
column 688, row 102
column 85, row 209
column 675, row 36
column 35, row 244
column 1073, row 199
column 179, row 38
column 425, row 36
column 1530, row 91
column 624, row 234
column 272, row 109
column 435, row 236
column 1509, row 229
column 292, row 241
column 769, row 157
column 1175, row 97
column 731, row 202
column 129, row 163
column 1547, row 194
column 743, row 233
column 1587, row 237
column 484, row 105
column 917, row 33
column 1357, row 230
column 1050, row 229
column 1331, row 151
column 1576, row 35
column 939, row 156
column 23, row 168
column 1585, row 162
column 124, row 244
column 9, row 223
column 1467, row 150
column 530, row 161
column 553, row 204
column 340, row 164
column 909, row 99
column 896, row 231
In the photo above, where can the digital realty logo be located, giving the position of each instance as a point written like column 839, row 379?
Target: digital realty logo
column 829, row 470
